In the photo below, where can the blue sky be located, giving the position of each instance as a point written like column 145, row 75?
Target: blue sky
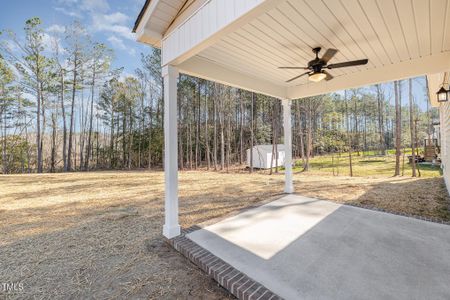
column 108, row 21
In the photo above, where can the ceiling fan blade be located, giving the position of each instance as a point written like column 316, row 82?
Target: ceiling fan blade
column 296, row 77
column 329, row 76
column 348, row 64
column 329, row 55
column 294, row 68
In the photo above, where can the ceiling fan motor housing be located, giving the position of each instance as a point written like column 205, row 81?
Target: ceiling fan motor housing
column 315, row 67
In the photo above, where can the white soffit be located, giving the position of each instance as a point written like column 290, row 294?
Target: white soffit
column 157, row 18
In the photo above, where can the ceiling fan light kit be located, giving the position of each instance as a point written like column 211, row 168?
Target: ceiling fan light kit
column 316, row 77
column 316, row 66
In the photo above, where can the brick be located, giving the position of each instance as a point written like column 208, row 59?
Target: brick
column 244, row 288
column 227, row 277
column 215, row 266
column 232, row 278
column 216, row 272
column 252, row 290
column 238, row 283
column 223, row 272
column 204, row 259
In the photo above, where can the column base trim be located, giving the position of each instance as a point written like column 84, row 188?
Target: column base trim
column 289, row 189
column 171, row 231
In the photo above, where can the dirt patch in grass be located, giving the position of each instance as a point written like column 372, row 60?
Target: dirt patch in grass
column 98, row 235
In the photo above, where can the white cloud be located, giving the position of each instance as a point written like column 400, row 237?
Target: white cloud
column 115, row 22
column 67, row 2
column 56, row 28
column 50, row 42
column 95, row 5
column 70, row 13
column 118, row 43
column 116, row 18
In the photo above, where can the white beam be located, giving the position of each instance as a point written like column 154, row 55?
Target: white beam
column 288, row 184
column 206, row 69
column 171, row 227
column 411, row 68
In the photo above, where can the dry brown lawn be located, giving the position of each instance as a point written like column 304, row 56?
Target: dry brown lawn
column 98, row 235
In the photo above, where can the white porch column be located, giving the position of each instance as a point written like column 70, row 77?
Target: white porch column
column 171, row 227
column 288, row 185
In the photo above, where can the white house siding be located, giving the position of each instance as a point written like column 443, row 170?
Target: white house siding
column 212, row 17
column 445, row 141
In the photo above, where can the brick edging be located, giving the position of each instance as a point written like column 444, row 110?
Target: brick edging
column 418, row 217
column 233, row 280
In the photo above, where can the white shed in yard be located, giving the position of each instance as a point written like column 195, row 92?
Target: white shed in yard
column 262, row 156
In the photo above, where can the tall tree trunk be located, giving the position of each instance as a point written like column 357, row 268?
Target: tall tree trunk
column 197, row 126
column 412, row 131
column 130, row 140
column 355, row 114
column 4, row 134
column 252, row 131
column 349, row 137
column 180, row 135
column 44, row 123
column 241, row 129
column 207, row 151
column 222, row 136
column 72, row 109
column 416, row 146
column 53, row 147
column 308, row 137
column 215, row 127
column 398, row 129
column 91, row 119
column 150, row 128
column 63, row 113
column 300, row 133
column 111, row 141
column 124, row 142
column 380, row 104
column 38, row 128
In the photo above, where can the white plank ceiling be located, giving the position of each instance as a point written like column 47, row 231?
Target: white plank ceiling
column 384, row 31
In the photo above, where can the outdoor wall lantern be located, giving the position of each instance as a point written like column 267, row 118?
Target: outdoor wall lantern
column 442, row 95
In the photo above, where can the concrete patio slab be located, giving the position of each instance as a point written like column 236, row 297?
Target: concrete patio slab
column 304, row 248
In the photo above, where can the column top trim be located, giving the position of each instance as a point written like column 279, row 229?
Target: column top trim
column 169, row 70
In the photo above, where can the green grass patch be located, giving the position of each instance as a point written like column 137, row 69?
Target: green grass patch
column 369, row 164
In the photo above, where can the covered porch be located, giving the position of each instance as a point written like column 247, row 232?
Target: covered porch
column 304, row 248
column 242, row 43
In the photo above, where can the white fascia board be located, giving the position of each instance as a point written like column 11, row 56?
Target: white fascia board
column 422, row 66
column 202, row 29
column 148, row 36
column 203, row 68
column 144, row 34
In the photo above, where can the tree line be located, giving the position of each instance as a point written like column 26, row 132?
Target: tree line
column 64, row 108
